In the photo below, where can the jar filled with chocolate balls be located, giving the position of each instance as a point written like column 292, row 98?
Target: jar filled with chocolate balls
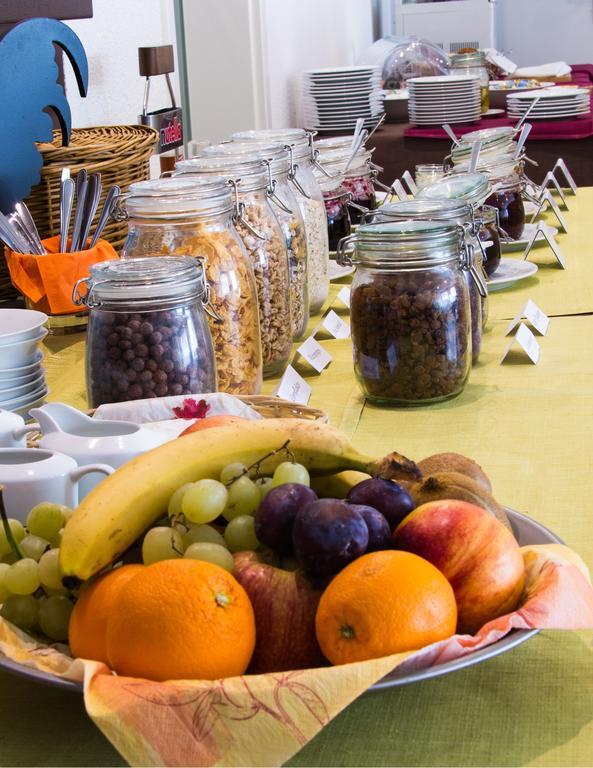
column 410, row 310
column 148, row 335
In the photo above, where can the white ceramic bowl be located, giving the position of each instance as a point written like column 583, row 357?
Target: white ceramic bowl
column 19, row 324
column 22, row 352
column 16, row 391
column 27, row 400
column 23, row 370
column 17, row 381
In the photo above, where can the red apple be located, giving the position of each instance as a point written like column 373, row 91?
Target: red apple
column 284, row 603
column 478, row 555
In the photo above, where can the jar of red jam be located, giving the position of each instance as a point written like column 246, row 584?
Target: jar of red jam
column 487, row 216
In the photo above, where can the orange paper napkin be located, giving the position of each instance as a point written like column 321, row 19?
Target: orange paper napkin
column 265, row 719
column 47, row 281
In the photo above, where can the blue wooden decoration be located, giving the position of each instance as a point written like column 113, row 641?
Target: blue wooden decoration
column 28, row 85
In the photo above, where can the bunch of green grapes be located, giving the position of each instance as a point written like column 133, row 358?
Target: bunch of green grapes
column 31, row 592
column 211, row 519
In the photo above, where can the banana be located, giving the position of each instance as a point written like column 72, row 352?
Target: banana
column 337, row 486
column 117, row 511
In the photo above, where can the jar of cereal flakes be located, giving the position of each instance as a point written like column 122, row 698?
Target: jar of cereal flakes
column 183, row 217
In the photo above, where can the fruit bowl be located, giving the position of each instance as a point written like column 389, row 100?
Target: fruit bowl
column 526, row 530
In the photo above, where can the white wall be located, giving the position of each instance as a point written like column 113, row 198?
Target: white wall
column 111, row 40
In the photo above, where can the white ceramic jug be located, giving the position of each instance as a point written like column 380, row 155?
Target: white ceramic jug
column 32, row 475
column 88, row 440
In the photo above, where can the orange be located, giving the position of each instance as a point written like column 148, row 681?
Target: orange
column 212, row 421
column 87, row 631
column 181, row 619
column 383, row 603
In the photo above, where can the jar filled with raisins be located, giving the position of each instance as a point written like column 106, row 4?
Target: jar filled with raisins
column 281, row 196
column 487, row 217
column 262, row 237
column 410, row 310
column 148, row 335
column 456, row 212
column 303, row 157
column 194, row 217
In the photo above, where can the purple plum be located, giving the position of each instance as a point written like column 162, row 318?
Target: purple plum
column 379, row 530
column 275, row 515
column 391, row 499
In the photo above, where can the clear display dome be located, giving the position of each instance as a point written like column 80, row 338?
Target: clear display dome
column 413, row 58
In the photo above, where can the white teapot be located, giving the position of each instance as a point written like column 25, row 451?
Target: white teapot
column 91, row 441
column 12, row 430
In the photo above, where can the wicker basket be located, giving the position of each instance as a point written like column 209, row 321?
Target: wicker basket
column 120, row 153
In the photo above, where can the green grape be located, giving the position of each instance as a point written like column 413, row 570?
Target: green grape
column 174, row 508
column 33, row 546
column 161, row 543
column 204, row 501
column 51, row 592
column 211, row 553
column 49, row 569
column 240, row 534
column 289, row 472
column 57, row 539
column 11, row 558
column 264, row 485
column 21, row 610
column 243, row 499
column 54, row 617
column 46, row 519
column 67, row 512
column 22, row 578
column 17, row 531
column 232, row 472
column 4, row 591
column 202, row 533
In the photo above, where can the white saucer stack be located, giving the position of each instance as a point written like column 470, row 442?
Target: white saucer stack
column 22, row 378
column 443, row 99
column 558, row 102
column 334, row 98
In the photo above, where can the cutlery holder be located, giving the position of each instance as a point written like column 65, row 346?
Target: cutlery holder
column 47, row 281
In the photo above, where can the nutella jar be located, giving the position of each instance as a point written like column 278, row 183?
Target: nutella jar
column 193, row 217
column 410, row 311
column 456, row 212
column 262, row 237
column 148, row 334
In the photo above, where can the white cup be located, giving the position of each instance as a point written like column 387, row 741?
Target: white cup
column 33, row 475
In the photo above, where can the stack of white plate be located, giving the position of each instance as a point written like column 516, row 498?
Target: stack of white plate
column 334, row 98
column 557, row 102
column 443, row 99
column 22, row 379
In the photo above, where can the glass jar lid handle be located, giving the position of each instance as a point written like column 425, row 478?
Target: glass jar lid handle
column 344, row 251
column 87, row 299
column 292, row 174
column 272, row 189
column 209, row 307
column 238, row 213
column 469, row 264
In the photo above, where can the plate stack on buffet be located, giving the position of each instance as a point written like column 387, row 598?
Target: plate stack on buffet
column 22, row 379
column 558, row 102
column 443, row 99
column 334, row 98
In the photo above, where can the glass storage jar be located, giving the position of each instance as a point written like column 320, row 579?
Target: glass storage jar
column 336, row 198
column 474, row 64
column 495, row 141
column 147, row 335
column 299, row 144
column 262, row 237
column 452, row 212
column 410, row 314
column 193, row 217
column 427, row 173
column 277, row 164
column 487, row 216
column 358, row 179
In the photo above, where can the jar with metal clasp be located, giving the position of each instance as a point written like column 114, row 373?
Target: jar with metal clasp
column 474, row 64
column 194, row 217
column 148, row 334
column 410, row 311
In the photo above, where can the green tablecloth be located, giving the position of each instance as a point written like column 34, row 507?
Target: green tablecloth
column 532, row 429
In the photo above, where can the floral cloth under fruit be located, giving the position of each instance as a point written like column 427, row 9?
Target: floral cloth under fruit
column 265, row 719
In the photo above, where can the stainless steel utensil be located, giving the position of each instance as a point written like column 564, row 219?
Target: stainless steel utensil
column 21, row 230
column 13, row 239
column 66, row 201
column 27, row 221
column 93, row 193
column 450, row 133
column 109, row 204
column 81, row 185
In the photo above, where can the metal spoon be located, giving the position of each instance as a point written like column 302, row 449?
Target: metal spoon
column 79, row 213
column 526, row 130
column 527, row 113
column 475, row 155
column 13, row 239
column 93, row 193
column 111, row 198
column 26, row 220
column 450, row 133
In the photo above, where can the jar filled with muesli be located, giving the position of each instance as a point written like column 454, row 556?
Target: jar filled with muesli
column 148, row 335
column 456, row 212
column 193, row 217
column 277, row 164
column 307, row 192
column 410, row 311
column 262, row 237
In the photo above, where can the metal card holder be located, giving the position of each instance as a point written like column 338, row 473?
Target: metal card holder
column 168, row 122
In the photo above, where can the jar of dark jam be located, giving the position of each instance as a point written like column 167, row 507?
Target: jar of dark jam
column 358, row 178
column 410, row 312
column 487, row 216
column 336, row 198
